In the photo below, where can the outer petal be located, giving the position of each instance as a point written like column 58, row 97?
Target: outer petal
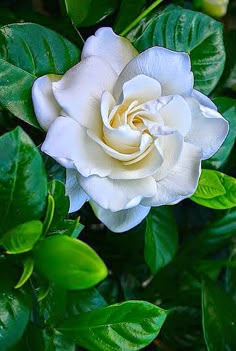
column 69, row 144
column 80, row 89
column 171, row 69
column 203, row 99
column 116, row 195
column 120, row 221
column 114, row 49
column 76, row 194
column 45, row 105
column 181, row 181
column 208, row 130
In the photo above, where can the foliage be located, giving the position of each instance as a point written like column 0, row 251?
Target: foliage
column 169, row 283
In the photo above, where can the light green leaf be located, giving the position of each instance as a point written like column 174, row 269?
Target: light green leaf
column 69, row 263
column 219, row 318
column 23, row 183
column 227, row 107
column 195, row 33
column 28, row 270
column 161, row 238
column 28, row 51
column 127, row 326
column 215, row 190
column 22, row 238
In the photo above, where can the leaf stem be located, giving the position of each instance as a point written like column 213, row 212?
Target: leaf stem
column 140, row 17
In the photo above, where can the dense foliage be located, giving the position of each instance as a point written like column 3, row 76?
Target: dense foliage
column 68, row 283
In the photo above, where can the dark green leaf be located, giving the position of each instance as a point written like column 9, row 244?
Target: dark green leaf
column 129, row 10
column 57, row 190
column 84, row 301
column 219, row 318
column 23, row 184
column 161, row 238
column 215, row 190
column 227, row 107
column 68, row 262
column 195, row 33
column 127, row 326
column 230, row 276
column 14, row 309
column 22, row 238
column 28, row 51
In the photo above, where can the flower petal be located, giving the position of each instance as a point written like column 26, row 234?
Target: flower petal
column 76, row 194
column 141, row 88
column 171, row 69
column 116, row 195
column 181, row 181
column 80, row 89
column 120, row 221
column 208, row 130
column 45, row 105
column 203, row 99
column 112, row 48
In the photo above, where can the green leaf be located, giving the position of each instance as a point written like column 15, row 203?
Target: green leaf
column 68, row 262
column 219, row 318
column 230, row 276
column 28, row 270
column 23, row 183
column 227, row 107
column 127, row 326
column 14, row 309
column 129, row 10
column 161, row 238
column 89, row 12
column 57, row 190
column 28, row 51
column 22, row 238
column 195, row 33
column 84, row 301
column 215, row 190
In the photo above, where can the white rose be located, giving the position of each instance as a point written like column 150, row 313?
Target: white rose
column 129, row 128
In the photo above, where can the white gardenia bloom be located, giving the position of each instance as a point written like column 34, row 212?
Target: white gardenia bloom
column 129, row 128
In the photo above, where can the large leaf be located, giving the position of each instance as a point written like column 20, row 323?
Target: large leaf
column 22, row 237
column 14, row 309
column 129, row 10
column 215, row 190
column 23, row 184
column 227, row 107
column 68, row 262
column 127, row 326
column 195, row 33
column 219, row 318
column 161, row 238
column 87, row 13
column 84, row 301
column 28, row 51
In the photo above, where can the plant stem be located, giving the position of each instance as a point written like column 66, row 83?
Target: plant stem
column 140, row 17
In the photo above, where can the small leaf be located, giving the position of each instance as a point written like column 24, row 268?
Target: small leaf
column 28, row 270
column 219, row 318
column 23, row 59
column 57, row 191
column 68, row 262
column 23, row 183
column 195, row 33
column 22, row 238
column 161, row 238
column 215, row 190
column 127, row 326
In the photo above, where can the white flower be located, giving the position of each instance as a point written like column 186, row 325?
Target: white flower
column 128, row 127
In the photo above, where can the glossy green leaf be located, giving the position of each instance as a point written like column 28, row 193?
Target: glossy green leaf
column 161, row 238
column 22, row 238
column 57, row 190
column 85, row 13
column 84, row 301
column 49, row 214
column 219, row 318
column 129, row 10
column 127, row 326
column 215, row 190
column 23, row 183
column 227, row 107
column 69, row 263
column 195, row 33
column 28, row 51
column 28, row 265
column 14, row 309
